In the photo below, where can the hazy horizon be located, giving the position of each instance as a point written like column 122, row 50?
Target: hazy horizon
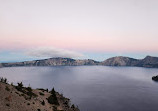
column 94, row 29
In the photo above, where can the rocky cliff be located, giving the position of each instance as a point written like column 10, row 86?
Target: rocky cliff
column 52, row 62
column 120, row 61
column 148, row 61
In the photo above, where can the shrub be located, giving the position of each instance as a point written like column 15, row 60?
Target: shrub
column 30, row 93
column 53, row 100
column 41, row 93
column 43, row 103
column 7, row 88
column 55, row 108
column 20, row 84
column 73, row 106
column 8, row 105
column 12, row 84
column 4, row 80
column 43, row 89
column 19, row 87
column 53, row 92
column 29, row 89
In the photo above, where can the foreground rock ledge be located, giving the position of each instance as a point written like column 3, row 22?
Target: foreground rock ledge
column 12, row 99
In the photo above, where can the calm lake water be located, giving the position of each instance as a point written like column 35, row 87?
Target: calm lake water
column 94, row 88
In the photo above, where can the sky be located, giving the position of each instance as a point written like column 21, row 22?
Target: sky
column 95, row 29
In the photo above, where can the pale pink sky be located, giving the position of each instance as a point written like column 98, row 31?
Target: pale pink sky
column 80, row 25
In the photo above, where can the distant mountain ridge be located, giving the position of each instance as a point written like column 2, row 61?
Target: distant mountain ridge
column 148, row 61
column 120, row 61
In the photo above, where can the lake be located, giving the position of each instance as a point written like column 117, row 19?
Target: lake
column 94, row 88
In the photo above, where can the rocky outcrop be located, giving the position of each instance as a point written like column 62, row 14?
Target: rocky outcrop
column 155, row 78
column 148, row 61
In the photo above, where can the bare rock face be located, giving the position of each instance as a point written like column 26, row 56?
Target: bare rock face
column 120, row 61
column 52, row 62
column 148, row 61
column 86, row 62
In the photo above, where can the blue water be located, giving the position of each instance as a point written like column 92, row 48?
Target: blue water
column 94, row 88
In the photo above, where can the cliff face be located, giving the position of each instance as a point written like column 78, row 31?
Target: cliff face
column 120, row 61
column 114, row 61
column 52, row 62
column 148, row 61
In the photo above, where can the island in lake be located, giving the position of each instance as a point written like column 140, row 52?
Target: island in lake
column 155, row 78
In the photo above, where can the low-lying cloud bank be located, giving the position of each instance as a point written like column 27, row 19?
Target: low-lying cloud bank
column 53, row 52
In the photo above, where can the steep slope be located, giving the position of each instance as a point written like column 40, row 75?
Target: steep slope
column 12, row 99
